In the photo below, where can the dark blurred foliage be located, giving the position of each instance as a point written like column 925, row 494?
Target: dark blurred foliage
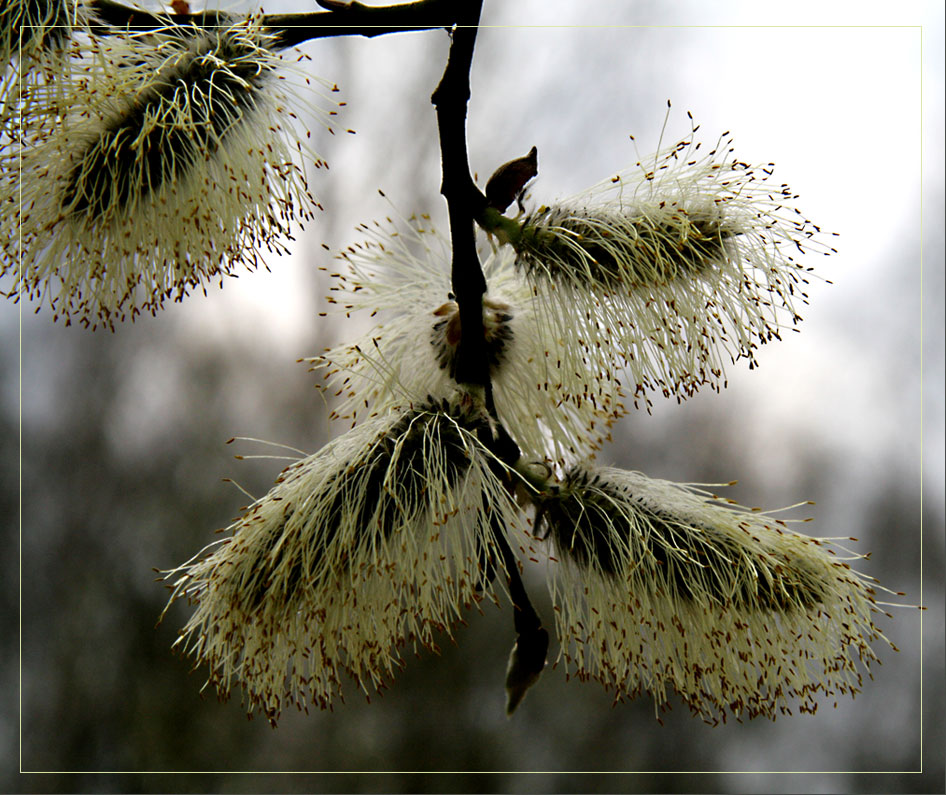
column 101, row 690
column 120, row 472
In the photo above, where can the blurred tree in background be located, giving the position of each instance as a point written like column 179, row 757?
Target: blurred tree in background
column 121, row 440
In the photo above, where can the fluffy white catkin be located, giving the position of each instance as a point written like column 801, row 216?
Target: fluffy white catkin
column 662, row 588
column 380, row 539
column 176, row 162
column 688, row 260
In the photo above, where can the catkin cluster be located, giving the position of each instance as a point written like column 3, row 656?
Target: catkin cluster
column 651, row 282
column 136, row 167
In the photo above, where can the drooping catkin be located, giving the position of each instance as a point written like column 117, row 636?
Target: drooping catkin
column 680, row 265
column 378, row 540
column 662, row 588
column 177, row 163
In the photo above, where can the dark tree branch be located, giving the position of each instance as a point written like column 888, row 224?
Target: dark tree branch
column 341, row 19
column 357, row 19
column 464, row 200
column 465, row 203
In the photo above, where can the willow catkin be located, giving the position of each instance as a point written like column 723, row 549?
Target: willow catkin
column 378, row 540
column 662, row 588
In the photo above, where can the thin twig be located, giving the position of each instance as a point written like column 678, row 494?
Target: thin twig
column 464, row 199
column 525, row 618
column 340, row 19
